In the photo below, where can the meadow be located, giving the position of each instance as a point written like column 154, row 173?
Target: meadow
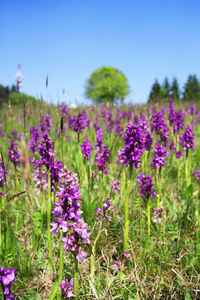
column 100, row 202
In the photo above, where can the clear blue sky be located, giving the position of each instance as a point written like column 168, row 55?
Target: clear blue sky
column 69, row 39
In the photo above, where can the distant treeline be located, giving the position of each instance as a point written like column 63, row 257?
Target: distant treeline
column 5, row 92
column 190, row 91
column 11, row 94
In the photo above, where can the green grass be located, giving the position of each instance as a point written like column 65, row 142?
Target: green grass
column 164, row 265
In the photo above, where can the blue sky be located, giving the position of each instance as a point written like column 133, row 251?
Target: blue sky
column 69, row 39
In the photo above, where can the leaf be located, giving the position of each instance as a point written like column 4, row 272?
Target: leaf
column 188, row 296
column 54, row 290
column 189, row 191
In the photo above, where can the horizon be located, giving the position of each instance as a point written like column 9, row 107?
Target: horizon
column 68, row 42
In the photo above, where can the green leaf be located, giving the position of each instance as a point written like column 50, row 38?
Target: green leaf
column 54, row 290
column 188, row 296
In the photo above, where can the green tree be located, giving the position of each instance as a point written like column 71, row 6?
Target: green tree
column 106, row 84
column 4, row 93
column 155, row 93
column 165, row 89
column 192, row 88
column 174, row 89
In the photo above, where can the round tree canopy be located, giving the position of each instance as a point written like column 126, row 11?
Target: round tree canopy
column 106, row 84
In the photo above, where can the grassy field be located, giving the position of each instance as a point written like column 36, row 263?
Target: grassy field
column 139, row 245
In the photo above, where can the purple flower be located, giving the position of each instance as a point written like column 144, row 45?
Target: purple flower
column 104, row 212
column 47, row 160
column 179, row 121
column 160, row 153
column 79, row 123
column 158, row 214
column 190, row 109
column 197, row 174
column 14, row 134
column 159, row 126
column 126, row 256
column 187, row 139
column 116, row 185
column 134, row 146
column 110, row 124
column 101, row 158
column 99, row 139
column 144, row 124
column 67, row 288
column 63, row 109
column 86, row 149
column 119, row 265
column 173, row 146
column 13, row 153
column 178, row 154
column 163, row 110
column 176, row 118
column 35, row 133
column 40, row 176
column 3, row 172
column 118, row 128
column 146, row 186
column 46, row 152
column 148, row 141
column 96, row 122
column 67, row 212
column 7, row 276
column 33, row 142
column 3, row 195
column 103, row 113
column 45, row 125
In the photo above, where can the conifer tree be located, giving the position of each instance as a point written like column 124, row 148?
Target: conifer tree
column 174, row 89
column 165, row 88
column 155, row 93
column 192, row 88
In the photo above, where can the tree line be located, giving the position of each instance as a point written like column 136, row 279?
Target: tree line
column 5, row 92
column 190, row 91
column 110, row 85
column 14, row 96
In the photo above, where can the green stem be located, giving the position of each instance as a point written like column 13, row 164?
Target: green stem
column 48, row 222
column 198, row 229
column 101, row 189
column 16, row 184
column 144, row 166
column 149, row 217
column 92, row 258
column 0, row 236
column 43, row 203
column 61, row 262
column 164, row 236
column 158, row 180
column 61, row 265
column 187, row 163
column 86, row 175
column 126, row 221
column 76, row 280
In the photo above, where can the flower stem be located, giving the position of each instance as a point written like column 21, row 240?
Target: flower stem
column 187, row 177
column 101, row 189
column 126, row 221
column 149, row 217
column 0, row 236
column 92, row 258
column 76, row 282
column 198, row 229
column 48, row 221
column 61, row 265
column 43, row 203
